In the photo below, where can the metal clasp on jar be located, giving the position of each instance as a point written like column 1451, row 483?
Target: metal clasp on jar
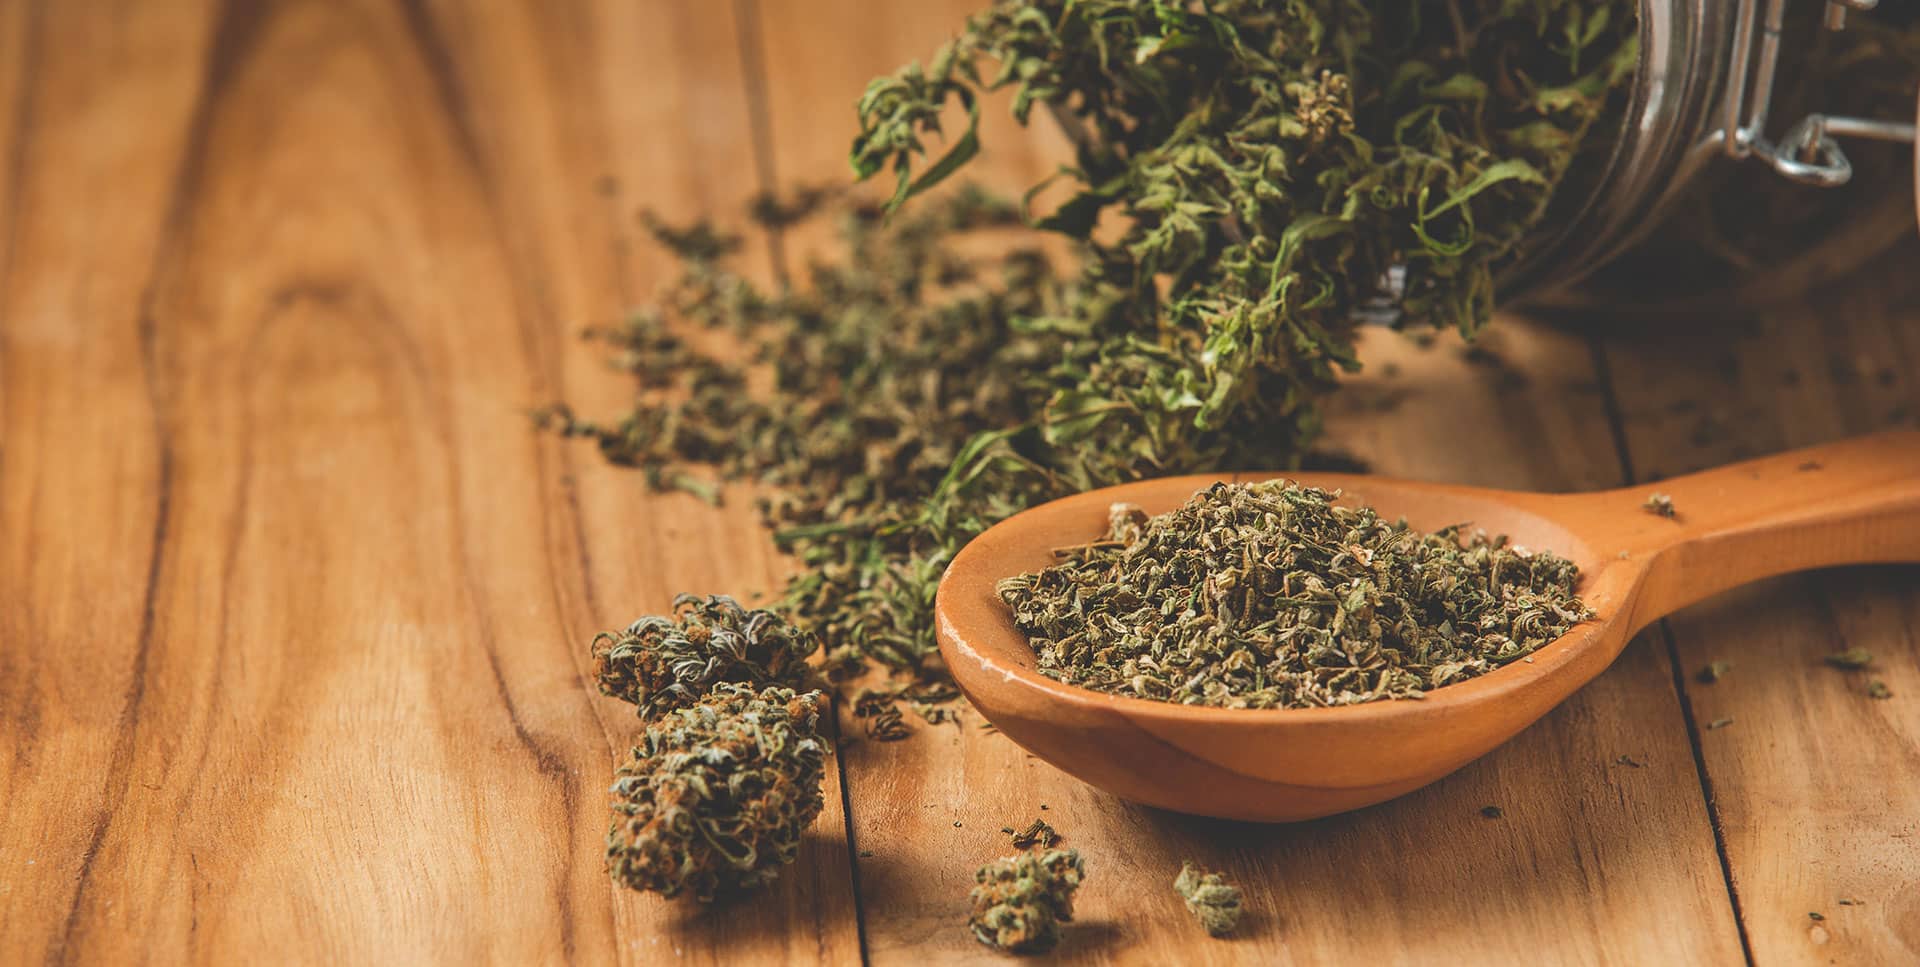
column 1809, row 152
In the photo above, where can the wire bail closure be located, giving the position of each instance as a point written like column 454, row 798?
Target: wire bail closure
column 1809, row 152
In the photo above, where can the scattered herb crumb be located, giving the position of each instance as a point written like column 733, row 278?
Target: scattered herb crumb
column 1211, row 899
column 1020, row 901
column 865, row 853
column 1720, row 723
column 1851, row 902
column 1878, row 689
column 1627, row 760
column 1714, row 672
column 1037, row 833
column 1816, row 915
column 1855, row 657
column 1492, row 812
column 1659, row 503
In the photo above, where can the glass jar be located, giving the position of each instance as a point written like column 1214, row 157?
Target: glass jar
column 1740, row 218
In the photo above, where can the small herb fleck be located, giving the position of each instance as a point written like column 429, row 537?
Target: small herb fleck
column 1816, row 915
column 1720, row 723
column 1855, row 657
column 1492, row 812
column 1627, row 760
column 1037, row 833
column 1210, row 898
column 1714, row 671
column 1878, row 689
column 1659, row 503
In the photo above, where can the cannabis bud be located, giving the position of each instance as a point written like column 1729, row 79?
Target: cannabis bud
column 662, row 663
column 717, row 794
column 1211, row 899
column 1019, row 902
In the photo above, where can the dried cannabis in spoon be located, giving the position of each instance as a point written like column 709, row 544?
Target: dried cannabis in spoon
column 717, row 794
column 1210, row 898
column 1270, row 595
column 1020, row 901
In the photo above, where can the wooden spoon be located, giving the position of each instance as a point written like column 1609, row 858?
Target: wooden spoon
column 1854, row 502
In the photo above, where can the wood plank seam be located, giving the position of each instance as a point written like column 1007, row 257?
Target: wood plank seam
column 753, row 60
column 1616, row 423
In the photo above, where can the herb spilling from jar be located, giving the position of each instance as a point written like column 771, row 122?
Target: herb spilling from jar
column 1266, row 173
column 1271, row 595
column 1251, row 179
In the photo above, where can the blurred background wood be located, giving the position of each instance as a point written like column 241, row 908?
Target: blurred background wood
column 293, row 605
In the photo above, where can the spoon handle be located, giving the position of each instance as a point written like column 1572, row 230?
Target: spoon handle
column 1852, row 502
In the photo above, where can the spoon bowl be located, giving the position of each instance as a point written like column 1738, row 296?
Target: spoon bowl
column 1854, row 502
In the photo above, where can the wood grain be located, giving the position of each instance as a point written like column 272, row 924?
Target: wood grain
column 1812, row 780
column 307, row 599
column 293, row 606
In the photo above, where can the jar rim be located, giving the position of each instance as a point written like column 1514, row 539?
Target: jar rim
column 1666, row 135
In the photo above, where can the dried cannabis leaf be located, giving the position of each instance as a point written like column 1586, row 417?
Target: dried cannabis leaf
column 1210, row 898
column 1020, row 901
column 660, row 663
column 1269, row 595
column 717, row 794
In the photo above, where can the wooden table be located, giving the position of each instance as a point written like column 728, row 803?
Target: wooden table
column 294, row 606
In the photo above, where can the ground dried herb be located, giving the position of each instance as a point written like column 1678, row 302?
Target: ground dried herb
column 1714, row 671
column 1271, row 595
column 1210, row 898
column 1019, row 902
column 717, row 794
